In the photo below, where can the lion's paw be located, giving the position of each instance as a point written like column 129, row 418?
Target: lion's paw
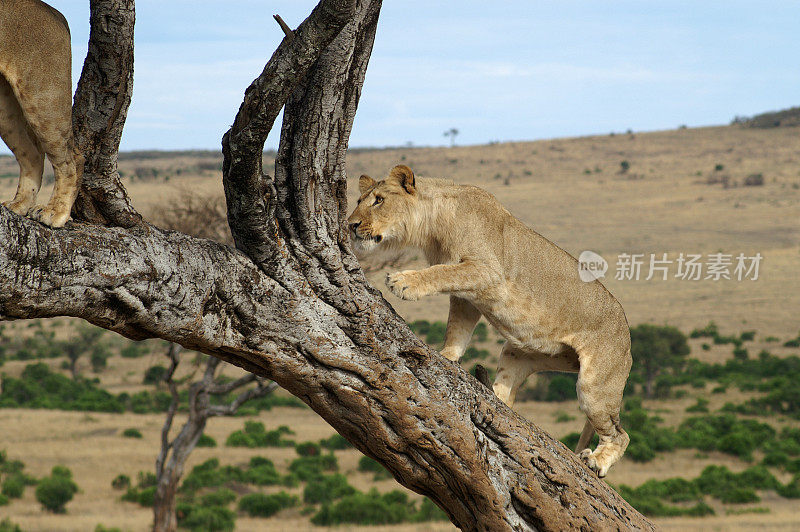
column 17, row 206
column 600, row 460
column 50, row 215
column 406, row 285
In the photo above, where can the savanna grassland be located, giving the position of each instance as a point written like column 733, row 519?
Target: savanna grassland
column 732, row 402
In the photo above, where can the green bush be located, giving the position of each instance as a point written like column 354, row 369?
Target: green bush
column 739, row 496
column 368, row 465
column 154, row 374
column 473, row 353
column 308, row 449
column 121, row 482
column 255, row 435
column 55, row 491
column 132, row 433
column 561, row 388
column 375, row 509
column 262, row 472
column 221, row 497
column 308, row 468
column 7, row 526
column 481, row 333
column 210, row 474
column 134, row 350
column 206, row 518
column 335, row 443
column 39, row 387
column 261, row 505
column 3, row 500
column 700, row 406
column 206, row 441
column 327, row 488
column 435, row 335
column 13, row 486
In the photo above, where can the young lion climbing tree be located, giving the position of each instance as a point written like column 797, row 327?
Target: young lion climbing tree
column 291, row 303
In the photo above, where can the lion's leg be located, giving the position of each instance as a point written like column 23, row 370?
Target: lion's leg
column 460, row 324
column 601, row 381
column 48, row 110
column 513, row 368
column 17, row 134
column 464, row 277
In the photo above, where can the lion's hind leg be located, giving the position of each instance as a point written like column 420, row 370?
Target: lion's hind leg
column 21, row 140
column 601, row 381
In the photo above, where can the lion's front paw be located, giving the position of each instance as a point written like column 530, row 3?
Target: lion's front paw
column 407, row 285
column 50, row 215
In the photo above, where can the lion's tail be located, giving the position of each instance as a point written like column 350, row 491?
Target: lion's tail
column 586, row 435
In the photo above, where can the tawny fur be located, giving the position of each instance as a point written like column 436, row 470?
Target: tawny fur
column 528, row 288
column 36, row 106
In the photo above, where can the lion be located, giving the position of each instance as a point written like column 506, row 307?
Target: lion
column 36, row 106
column 529, row 289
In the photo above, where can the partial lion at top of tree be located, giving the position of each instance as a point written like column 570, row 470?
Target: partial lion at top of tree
column 784, row 118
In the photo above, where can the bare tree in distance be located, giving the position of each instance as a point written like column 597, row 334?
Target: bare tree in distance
column 173, row 454
column 291, row 303
column 452, row 133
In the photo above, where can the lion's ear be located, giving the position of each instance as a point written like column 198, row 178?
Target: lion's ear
column 405, row 177
column 365, row 183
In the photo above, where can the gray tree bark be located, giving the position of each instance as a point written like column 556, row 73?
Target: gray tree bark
column 291, row 303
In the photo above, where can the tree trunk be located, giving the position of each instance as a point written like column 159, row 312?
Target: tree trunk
column 291, row 303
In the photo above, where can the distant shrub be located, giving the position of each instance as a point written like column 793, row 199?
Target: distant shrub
column 747, row 336
column 308, row 448
column 39, row 387
column 481, row 332
column 255, row 435
column 7, row 526
column 739, row 496
column 373, row 508
column 473, row 353
column 308, row 468
column 132, row 433
column 221, row 497
column 13, row 486
column 121, row 482
column 754, row 180
column 740, row 353
column 210, row 474
column 368, row 465
column 3, row 500
column 206, row 441
column 335, row 443
column 561, row 388
column 700, row 406
column 133, row 350
column 327, row 488
column 261, row 505
column 55, row 491
column 206, row 518
column 709, row 331
column 154, row 374
column 435, row 334
column 262, row 472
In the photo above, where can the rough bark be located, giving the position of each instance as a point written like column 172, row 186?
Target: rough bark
column 173, row 454
column 291, row 303
column 99, row 111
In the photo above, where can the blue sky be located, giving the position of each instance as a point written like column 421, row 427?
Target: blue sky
column 511, row 70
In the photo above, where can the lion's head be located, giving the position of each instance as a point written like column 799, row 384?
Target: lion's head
column 384, row 210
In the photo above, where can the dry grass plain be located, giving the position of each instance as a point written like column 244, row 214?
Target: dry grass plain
column 571, row 191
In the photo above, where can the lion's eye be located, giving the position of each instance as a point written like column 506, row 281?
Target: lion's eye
column 378, row 200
